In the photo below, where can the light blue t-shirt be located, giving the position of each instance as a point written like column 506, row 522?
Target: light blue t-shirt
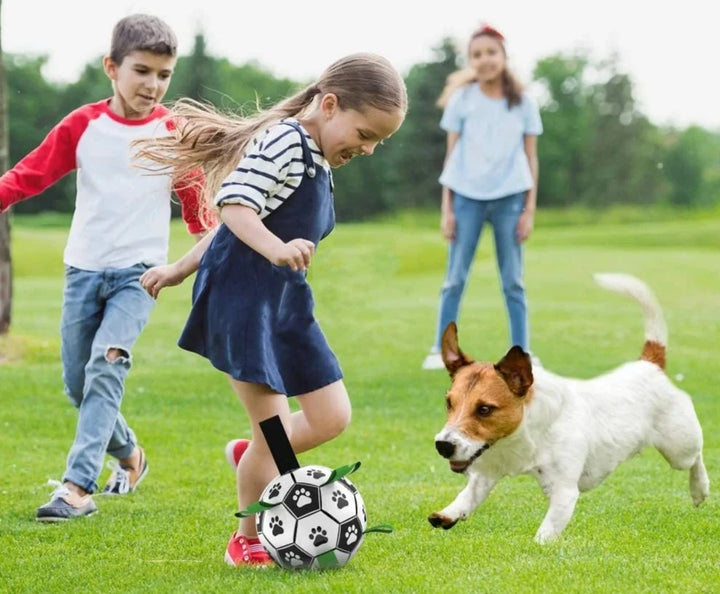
column 488, row 160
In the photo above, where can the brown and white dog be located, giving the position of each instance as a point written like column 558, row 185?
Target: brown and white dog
column 514, row 417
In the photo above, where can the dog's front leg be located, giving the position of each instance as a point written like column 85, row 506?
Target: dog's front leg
column 475, row 492
column 562, row 504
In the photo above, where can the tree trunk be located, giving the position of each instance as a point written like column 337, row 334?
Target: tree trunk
column 5, row 256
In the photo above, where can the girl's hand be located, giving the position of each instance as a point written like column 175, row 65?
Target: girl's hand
column 525, row 225
column 157, row 277
column 447, row 224
column 296, row 254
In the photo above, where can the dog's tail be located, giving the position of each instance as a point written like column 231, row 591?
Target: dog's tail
column 656, row 335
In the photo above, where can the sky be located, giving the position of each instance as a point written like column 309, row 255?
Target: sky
column 669, row 48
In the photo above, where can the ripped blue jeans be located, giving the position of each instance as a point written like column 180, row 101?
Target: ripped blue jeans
column 103, row 314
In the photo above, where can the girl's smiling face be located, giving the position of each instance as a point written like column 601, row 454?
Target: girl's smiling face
column 486, row 56
column 344, row 133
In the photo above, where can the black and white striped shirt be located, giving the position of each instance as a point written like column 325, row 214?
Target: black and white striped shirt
column 270, row 171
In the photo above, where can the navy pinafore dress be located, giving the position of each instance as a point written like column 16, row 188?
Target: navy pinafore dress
column 254, row 320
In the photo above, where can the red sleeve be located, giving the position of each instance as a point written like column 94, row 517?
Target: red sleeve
column 189, row 192
column 54, row 158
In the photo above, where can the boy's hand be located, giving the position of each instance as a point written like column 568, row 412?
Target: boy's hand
column 296, row 254
column 157, row 277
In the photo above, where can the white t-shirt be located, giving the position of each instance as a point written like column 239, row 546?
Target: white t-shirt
column 122, row 213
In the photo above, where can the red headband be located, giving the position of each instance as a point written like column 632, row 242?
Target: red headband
column 488, row 30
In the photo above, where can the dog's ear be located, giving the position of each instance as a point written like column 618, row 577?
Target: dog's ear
column 452, row 356
column 515, row 369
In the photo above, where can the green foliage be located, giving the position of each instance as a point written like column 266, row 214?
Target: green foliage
column 376, row 287
column 403, row 172
column 692, row 164
column 597, row 149
column 33, row 110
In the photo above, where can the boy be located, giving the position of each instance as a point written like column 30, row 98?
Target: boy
column 120, row 228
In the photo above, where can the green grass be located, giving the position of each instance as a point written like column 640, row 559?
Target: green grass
column 376, row 287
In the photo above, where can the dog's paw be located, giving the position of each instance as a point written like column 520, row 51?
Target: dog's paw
column 440, row 521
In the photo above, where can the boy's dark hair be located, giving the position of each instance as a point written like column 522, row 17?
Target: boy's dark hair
column 142, row 32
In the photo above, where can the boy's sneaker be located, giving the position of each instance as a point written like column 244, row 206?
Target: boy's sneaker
column 433, row 361
column 246, row 551
column 234, row 450
column 64, row 505
column 125, row 479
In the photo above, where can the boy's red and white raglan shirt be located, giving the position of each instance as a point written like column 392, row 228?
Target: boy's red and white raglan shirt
column 122, row 211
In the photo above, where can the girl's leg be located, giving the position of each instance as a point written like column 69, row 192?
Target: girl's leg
column 470, row 217
column 257, row 467
column 504, row 218
column 325, row 414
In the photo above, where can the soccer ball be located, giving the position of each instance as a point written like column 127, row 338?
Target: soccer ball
column 311, row 520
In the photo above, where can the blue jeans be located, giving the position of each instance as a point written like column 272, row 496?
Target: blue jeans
column 101, row 311
column 471, row 215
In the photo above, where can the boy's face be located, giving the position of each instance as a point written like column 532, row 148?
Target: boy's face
column 139, row 82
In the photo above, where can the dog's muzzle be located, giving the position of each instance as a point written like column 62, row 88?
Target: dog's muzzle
column 446, row 449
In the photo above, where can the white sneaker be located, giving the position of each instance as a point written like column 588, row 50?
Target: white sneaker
column 433, row 361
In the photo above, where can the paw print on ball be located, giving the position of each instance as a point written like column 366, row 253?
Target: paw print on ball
column 274, row 491
column 315, row 473
column 276, row 525
column 318, row 536
column 340, row 499
column 302, row 498
column 292, row 559
column 351, row 534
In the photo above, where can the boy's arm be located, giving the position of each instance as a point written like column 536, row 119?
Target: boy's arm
column 41, row 168
column 189, row 191
column 170, row 275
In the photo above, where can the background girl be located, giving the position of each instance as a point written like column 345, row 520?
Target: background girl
column 490, row 175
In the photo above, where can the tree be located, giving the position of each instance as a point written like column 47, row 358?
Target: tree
column 567, row 128
column 684, row 167
column 34, row 106
column 5, row 255
column 404, row 172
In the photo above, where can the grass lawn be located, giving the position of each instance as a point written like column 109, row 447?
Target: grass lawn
column 376, row 286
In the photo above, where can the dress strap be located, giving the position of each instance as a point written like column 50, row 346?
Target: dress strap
column 310, row 167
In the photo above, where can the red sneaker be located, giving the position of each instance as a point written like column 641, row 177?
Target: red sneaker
column 234, row 450
column 246, row 551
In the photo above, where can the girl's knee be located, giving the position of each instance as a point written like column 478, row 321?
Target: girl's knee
column 333, row 424
column 341, row 421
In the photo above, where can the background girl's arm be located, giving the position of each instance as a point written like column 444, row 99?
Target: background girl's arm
column 245, row 223
column 447, row 218
column 527, row 217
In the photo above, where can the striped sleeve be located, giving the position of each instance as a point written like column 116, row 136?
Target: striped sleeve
column 268, row 174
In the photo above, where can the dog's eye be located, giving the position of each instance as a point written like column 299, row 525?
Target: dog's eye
column 448, row 404
column 484, row 410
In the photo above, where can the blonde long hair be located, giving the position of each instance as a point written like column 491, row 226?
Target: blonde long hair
column 206, row 138
column 512, row 89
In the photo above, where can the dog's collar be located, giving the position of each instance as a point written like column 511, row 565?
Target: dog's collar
column 477, row 454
